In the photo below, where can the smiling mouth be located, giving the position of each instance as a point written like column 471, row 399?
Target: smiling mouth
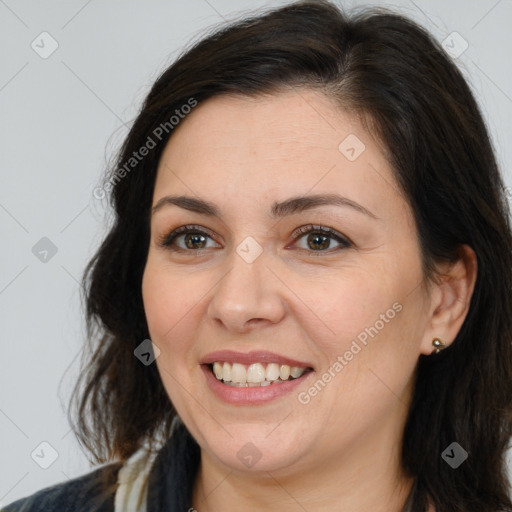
column 256, row 374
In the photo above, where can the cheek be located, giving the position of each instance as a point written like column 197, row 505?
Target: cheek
column 369, row 324
column 165, row 302
column 347, row 306
column 157, row 300
column 172, row 302
column 166, row 315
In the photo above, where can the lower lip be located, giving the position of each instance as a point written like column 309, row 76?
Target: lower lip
column 250, row 395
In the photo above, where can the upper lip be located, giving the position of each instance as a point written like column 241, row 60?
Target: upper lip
column 255, row 356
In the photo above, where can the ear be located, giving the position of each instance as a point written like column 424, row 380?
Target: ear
column 450, row 299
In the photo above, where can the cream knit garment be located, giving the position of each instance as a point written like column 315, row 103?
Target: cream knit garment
column 131, row 494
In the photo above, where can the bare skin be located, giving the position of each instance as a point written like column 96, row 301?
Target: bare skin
column 340, row 450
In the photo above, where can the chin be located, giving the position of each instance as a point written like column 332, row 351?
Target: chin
column 253, row 447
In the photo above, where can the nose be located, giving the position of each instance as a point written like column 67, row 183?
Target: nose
column 247, row 295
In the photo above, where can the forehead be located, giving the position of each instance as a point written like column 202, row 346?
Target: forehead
column 274, row 146
column 293, row 121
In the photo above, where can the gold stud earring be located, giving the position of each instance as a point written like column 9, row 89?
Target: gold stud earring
column 436, row 342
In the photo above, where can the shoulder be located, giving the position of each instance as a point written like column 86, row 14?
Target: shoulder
column 92, row 492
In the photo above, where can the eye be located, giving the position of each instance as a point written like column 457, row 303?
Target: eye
column 193, row 238
column 319, row 238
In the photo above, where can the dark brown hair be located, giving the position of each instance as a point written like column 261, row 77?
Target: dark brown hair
column 394, row 74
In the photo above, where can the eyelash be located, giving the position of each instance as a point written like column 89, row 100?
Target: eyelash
column 167, row 239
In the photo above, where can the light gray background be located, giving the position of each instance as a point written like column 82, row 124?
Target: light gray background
column 61, row 118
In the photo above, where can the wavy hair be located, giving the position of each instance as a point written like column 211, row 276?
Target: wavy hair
column 386, row 68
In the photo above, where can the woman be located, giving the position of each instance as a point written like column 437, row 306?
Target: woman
column 304, row 302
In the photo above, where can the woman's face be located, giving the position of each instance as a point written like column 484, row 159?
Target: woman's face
column 348, row 309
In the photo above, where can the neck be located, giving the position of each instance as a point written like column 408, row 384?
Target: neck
column 367, row 476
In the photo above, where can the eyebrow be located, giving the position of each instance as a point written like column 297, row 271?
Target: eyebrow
column 288, row 207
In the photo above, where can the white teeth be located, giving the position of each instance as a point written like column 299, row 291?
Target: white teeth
column 226, row 372
column 253, row 384
column 272, row 371
column 256, row 374
column 284, row 371
column 238, row 373
column 295, row 371
column 217, row 369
